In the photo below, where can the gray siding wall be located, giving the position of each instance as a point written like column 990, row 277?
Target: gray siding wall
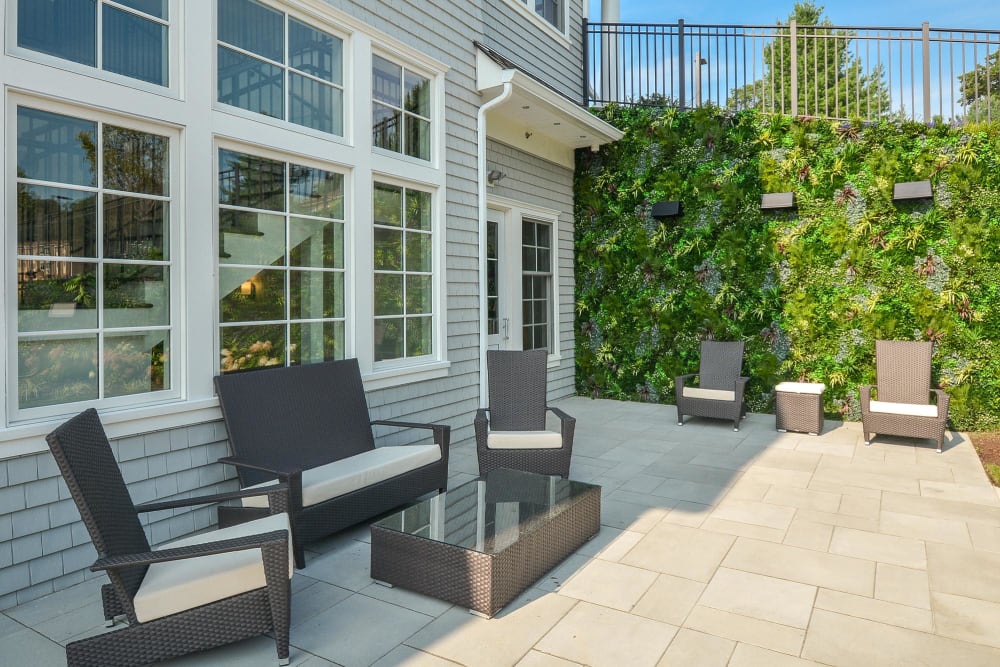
column 533, row 180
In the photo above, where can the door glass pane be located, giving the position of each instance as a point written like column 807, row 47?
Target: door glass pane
column 54, row 370
column 387, row 81
column 418, row 95
column 136, row 295
column 316, row 295
column 316, row 243
column 388, row 339
column 56, row 222
column 56, row 296
column 136, row 228
column 252, row 238
column 315, row 52
column 252, row 182
column 418, row 210
column 492, row 279
column 136, row 363
column 62, row 28
column 310, row 104
column 316, row 192
column 157, row 8
column 251, row 84
column 385, row 127
column 312, row 342
column 136, row 161
column 251, row 296
column 388, row 249
column 134, row 46
column 252, row 347
column 418, row 336
column 53, row 147
column 252, row 27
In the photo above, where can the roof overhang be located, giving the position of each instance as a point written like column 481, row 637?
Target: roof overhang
column 535, row 118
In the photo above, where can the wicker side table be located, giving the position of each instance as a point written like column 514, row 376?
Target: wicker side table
column 798, row 406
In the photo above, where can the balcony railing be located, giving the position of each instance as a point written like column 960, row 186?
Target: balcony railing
column 839, row 72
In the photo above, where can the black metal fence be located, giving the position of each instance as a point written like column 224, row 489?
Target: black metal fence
column 839, row 72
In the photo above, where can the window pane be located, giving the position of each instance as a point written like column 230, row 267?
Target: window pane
column 253, row 182
column 136, row 161
column 388, row 339
column 56, row 222
column 316, row 192
column 388, row 294
column 543, row 261
column 62, row 28
column 387, row 81
column 316, row 294
column 551, row 11
column 56, row 296
column 418, row 295
column 418, row 138
column 418, row 95
column 528, row 259
column 528, row 233
column 136, row 295
column 388, row 205
column 418, row 252
column 418, row 210
column 316, row 244
column 313, row 342
column 136, row 363
column 251, row 296
column 315, row 52
column 251, row 238
column 252, row 347
column 53, row 147
column 157, row 8
column 134, row 46
column 543, row 236
column 385, row 127
column 418, row 336
column 56, row 370
column 136, row 228
column 388, row 249
column 252, row 27
column 251, row 84
column 310, row 104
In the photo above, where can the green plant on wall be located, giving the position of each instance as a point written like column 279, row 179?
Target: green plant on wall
column 810, row 290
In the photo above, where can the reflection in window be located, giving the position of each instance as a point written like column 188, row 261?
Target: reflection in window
column 536, row 284
column 127, row 37
column 404, row 304
column 275, row 65
column 281, row 256
column 93, row 260
column 401, row 109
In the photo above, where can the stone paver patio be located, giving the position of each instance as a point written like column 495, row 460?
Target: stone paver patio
column 717, row 548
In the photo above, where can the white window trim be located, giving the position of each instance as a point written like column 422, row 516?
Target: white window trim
column 175, row 70
column 437, row 109
column 15, row 415
column 561, row 36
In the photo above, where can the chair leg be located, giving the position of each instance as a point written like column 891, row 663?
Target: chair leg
column 680, row 418
column 279, row 595
column 299, row 552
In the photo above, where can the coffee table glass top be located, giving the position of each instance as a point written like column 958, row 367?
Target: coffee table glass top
column 490, row 513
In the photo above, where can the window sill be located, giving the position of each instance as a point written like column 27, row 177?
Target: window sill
column 383, row 379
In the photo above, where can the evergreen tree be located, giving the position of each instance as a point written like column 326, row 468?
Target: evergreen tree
column 980, row 89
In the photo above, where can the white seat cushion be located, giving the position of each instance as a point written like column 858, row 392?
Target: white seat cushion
column 911, row 409
column 801, row 387
column 710, row 394
column 523, row 440
column 356, row 472
column 178, row 585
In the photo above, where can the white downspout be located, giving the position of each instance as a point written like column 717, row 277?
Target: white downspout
column 481, row 138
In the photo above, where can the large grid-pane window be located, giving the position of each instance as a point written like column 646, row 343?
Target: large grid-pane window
column 401, row 109
column 551, row 11
column 403, row 263
column 536, row 284
column 94, row 269
column 275, row 65
column 127, row 37
column 281, row 257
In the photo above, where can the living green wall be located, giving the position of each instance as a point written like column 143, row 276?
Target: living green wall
column 808, row 290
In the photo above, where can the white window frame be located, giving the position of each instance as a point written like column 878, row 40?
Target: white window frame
column 437, row 108
column 8, row 263
column 314, row 20
column 175, row 73
column 527, row 9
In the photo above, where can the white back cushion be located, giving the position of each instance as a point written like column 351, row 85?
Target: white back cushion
column 911, row 409
column 523, row 440
column 710, row 394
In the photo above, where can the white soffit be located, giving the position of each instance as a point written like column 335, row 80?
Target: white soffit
column 536, row 119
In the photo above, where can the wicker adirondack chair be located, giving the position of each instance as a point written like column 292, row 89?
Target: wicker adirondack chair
column 719, row 393
column 192, row 594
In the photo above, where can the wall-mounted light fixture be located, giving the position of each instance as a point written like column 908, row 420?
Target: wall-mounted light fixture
column 912, row 190
column 495, row 176
column 666, row 209
column 773, row 201
column 247, row 288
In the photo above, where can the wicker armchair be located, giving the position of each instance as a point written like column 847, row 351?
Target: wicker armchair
column 192, row 594
column 902, row 405
column 719, row 393
column 308, row 427
column 510, row 433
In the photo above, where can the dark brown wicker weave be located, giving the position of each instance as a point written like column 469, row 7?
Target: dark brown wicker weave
column 903, row 371
column 720, row 367
column 81, row 450
column 517, row 389
column 795, row 411
column 282, row 421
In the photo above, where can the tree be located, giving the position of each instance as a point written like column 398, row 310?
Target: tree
column 980, row 89
column 831, row 81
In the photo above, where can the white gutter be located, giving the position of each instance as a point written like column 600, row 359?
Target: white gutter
column 508, row 89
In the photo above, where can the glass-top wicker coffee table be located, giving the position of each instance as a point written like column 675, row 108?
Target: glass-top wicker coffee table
column 481, row 544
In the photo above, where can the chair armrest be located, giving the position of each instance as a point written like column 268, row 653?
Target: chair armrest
column 942, row 402
column 277, row 499
column 740, row 386
column 865, row 393
column 442, row 432
column 681, row 380
column 273, row 467
column 567, row 425
column 261, row 541
column 482, row 425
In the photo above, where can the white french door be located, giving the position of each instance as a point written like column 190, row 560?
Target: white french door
column 498, row 324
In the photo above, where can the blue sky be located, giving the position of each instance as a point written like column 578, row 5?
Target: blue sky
column 982, row 14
